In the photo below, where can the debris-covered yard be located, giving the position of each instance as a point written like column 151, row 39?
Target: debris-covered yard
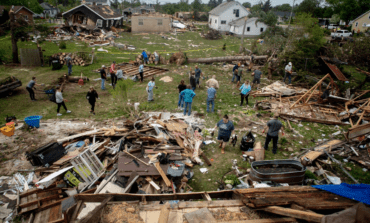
column 140, row 161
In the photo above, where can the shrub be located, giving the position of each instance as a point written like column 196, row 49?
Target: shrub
column 62, row 45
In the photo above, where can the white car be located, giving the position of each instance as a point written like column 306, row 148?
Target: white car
column 177, row 24
column 332, row 26
column 341, row 34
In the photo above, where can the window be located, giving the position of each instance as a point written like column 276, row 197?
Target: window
column 248, row 29
column 215, row 21
column 141, row 22
column 160, row 22
column 356, row 24
column 261, row 30
column 223, row 21
column 210, row 21
column 99, row 23
column 107, row 23
column 236, row 12
column 111, row 23
column 364, row 25
column 26, row 17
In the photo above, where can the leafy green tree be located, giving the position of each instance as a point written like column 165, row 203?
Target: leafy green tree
column 5, row 16
column 114, row 4
column 282, row 8
column 309, row 6
column 328, row 12
column 31, row 4
column 267, row 6
column 349, row 9
column 256, row 8
column 247, row 5
column 335, row 19
column 269, row 18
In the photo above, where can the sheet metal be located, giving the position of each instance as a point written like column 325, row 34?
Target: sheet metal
column 336, row 71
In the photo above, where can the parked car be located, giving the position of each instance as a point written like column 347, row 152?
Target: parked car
column 341, row 34
column 177, row 24
column 332, row 26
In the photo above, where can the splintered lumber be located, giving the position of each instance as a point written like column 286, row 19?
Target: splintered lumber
column 225, row 59
column 267, row 220
column 308, row 216
column 165, row 212
column 95, row 215
column 312, row 155
column 93, row 132
column 135, row 157
column 152, row 183
column 165, row 179
column 358, row 131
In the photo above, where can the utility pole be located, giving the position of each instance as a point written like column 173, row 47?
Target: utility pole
column 241, row 49
column 291, row 13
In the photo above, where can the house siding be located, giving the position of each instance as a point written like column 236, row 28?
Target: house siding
column 254, row 30
column 150, row 24
column 361, row 21
column 25, row 12
column 227, row 16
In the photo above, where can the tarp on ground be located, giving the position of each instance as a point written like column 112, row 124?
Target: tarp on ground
column 358, row 192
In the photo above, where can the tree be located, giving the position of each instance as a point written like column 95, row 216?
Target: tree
column 212, row 4
column 33, row 5
column 349, row 9
column 256, row 8
column 269, row 18
column 282, row 8
column 267, row 6
column 114, row 4
column 247, row 5
column 308, row 6
column 5, row 17
column 335, row 19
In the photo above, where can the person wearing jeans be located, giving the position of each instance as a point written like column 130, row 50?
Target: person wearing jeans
column 288, row 72
column 113, row 76
column 69, row 64
column 211, row 95
column 181, row 87
column 60, row 101
column 188, row 95
column 235, row 68
column 274, row 127
column 103, row 76
column 30, row 87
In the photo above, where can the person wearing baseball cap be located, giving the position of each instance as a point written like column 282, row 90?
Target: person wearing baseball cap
column 103, row 76
column 273, row 127
column 288, row 72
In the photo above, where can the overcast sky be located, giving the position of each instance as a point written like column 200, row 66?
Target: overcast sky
column 273, row 2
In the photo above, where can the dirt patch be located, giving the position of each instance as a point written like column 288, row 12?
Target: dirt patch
column 123, row 212
column 225, row 215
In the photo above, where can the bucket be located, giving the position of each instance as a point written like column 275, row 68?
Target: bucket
column 33, row 121
column 8, row 130
column 136, row 105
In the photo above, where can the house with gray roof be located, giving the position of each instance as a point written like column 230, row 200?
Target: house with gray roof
column 143, row 9
column 252, row 28
column 221, row 16
column 50, row 11
column 283, row 16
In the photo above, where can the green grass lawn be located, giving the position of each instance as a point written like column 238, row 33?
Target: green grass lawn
column 166, row 96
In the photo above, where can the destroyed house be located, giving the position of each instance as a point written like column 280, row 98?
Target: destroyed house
column 93, row 16
column 150, row 23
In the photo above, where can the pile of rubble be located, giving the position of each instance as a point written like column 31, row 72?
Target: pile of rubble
column 212, row 35
column 76, row 58
column 151, row 58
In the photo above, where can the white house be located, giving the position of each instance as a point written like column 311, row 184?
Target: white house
column 222, row 15
column 49, row 11
column 96, row 2
column 251, row 28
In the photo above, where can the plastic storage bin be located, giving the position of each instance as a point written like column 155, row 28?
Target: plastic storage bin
column 33, row 121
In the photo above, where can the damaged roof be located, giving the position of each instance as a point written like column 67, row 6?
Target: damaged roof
column 240, row 22
column 103, row 11
column 222, row 8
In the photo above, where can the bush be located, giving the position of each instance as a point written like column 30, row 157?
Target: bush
column 327, row 32
column 62, row 45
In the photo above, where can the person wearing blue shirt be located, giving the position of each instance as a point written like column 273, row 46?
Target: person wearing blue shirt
column 211, row 95
column 245, row 89
column 198, row 73
column 226, row 128
column 188, row 96
column 149, row 89
column 145, row 57
column 141, row 72
column 235, row 68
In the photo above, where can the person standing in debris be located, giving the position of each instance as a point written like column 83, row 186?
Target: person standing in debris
column 211, row 96
column 239, row 75
column 273, row 127
column 69, row 64
column 145, row 57
column 188, row 95
column 119, row 73
column 245, row 90
column 30, row 87
column 112, row 72
column 156, row 56
column 251, row 64
column 288, row 72
column 91, row 96
column 141, row 72
column 198, row 73
column 226, row 129
column 212, row 82
column 60, row 101
column 181, row 87
column 193, row 81
column 149, row 89
column 103, row 76
column 257, row 78
column 235, row 68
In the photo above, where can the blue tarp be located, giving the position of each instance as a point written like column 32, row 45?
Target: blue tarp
column 358, row 192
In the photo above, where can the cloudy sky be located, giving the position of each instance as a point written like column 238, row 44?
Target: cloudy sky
column 273, row 2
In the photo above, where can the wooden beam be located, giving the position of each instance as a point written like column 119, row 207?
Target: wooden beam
column 308, row 216
column 165, row 212
column 76, row 211
column 94, row 215
column 267, row 220
column 165, row 179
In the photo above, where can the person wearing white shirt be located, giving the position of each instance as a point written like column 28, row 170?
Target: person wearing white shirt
column 288, row 72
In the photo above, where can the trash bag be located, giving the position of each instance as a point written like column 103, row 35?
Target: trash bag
column 247, row 142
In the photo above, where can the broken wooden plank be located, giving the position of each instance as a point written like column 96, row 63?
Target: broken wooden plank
column 135, row 157
column 165, row 179
column 165, row 212
column 308, row 216
column 93, row 132
column 94, row 215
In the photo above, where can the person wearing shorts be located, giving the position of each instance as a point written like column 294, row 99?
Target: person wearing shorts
column 226, row 129
column 257, row 78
